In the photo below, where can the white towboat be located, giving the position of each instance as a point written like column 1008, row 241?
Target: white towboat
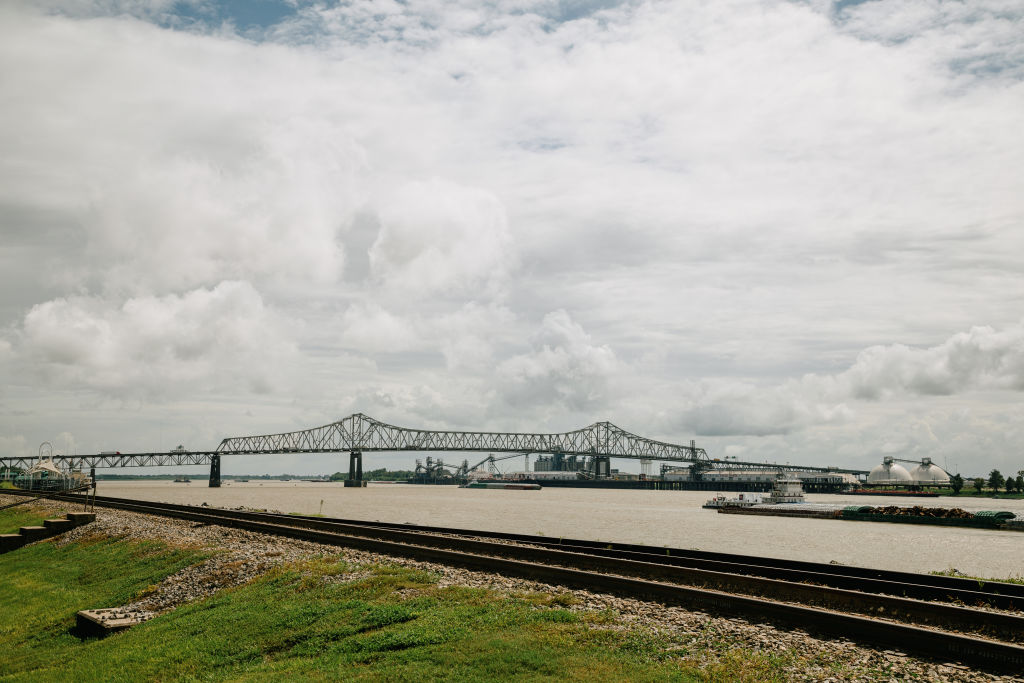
column 784, row 492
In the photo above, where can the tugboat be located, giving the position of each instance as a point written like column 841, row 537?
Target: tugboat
column 784, row 491
column 744, row 500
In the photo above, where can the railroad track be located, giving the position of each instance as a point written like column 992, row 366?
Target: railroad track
column 826, row 599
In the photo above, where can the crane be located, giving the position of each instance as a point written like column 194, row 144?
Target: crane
column 464, row 470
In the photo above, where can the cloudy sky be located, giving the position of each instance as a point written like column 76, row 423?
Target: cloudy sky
column 790, row 230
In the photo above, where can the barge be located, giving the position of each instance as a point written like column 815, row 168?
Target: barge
column 514, row 485
column 877, row 492
column 986, row 519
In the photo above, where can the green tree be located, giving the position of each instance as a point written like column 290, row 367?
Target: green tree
column 995, row 480
column 1011, row 484
column 979, row 484
column 956, row 483
column 1020, row 482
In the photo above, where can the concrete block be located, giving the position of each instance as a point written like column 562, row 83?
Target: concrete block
column 101, row 622
column 58, row 526
column 80, row 518
column 34, row 533
column 10, row 542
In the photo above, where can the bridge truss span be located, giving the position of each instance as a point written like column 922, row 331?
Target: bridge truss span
column 360, row 432
column 118, row 460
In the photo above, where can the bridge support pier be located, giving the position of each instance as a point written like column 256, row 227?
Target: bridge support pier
column 215, row 472
column 355, row 469
column 602, row 466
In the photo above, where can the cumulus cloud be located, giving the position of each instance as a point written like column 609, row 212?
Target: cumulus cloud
column 982, row 359
column 469, row 337
column 731, row 408
column 371, row 329
column 564, row 368
column 438, row 237
column 188, row 170
column 157, row 347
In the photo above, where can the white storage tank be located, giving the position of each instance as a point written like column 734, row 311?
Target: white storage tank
column 890, row 473
column 929, row 474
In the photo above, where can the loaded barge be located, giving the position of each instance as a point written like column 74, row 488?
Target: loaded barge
column 890, row 492
column 787, row 500
column 514, row 485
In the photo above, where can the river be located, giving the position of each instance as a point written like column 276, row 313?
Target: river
column 659, row 518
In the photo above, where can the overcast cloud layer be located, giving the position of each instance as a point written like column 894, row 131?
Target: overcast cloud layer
column 793, row 231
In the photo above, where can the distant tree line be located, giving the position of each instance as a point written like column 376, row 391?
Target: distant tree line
column 996, row 481
column 381, row 474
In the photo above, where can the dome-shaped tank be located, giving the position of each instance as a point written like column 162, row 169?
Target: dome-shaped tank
column 929, row 474
column 889, row 473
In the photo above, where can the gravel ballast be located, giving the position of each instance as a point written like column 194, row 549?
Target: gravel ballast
column 240, row 556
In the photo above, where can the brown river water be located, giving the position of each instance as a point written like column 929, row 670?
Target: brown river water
column 659, row 518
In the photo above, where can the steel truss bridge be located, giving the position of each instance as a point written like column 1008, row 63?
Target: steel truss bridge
column 359, row 433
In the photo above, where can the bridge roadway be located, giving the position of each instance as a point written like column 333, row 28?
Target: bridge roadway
column 360, row 433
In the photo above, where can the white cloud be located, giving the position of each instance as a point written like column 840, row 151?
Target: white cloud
column 564, row 368
column 979, row 359
column 371, row 329
column 731, row 408
column 157, row 347
column 982, row 359
column 469, row 336
column 437, row 237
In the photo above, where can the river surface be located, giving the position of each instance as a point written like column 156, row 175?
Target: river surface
column 659, row 518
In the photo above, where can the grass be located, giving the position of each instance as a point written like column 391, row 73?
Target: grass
column 387, row 623
column 1019, row 579
column 324, row 618
column 14, row 518
column 971, row 492
column 44, row 586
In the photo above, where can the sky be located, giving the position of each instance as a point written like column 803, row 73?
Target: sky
column 790, row 230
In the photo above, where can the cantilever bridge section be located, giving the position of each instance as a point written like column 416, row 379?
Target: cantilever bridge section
column 360, row 432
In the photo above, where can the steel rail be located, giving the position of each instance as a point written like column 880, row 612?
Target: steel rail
column 914, row 585
column 863, row 596
column 967, row 590
column 579, row 572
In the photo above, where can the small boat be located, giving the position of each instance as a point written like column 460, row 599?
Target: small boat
column 182, row 480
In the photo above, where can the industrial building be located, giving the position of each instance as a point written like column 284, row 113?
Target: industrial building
column 892, row 474
column 757, row 479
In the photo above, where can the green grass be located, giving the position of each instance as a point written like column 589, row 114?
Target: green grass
column 971, row 492
column 14, row 518
column 391, row 624
column 1019, row 579
column 326, row 619
column 315, row 621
